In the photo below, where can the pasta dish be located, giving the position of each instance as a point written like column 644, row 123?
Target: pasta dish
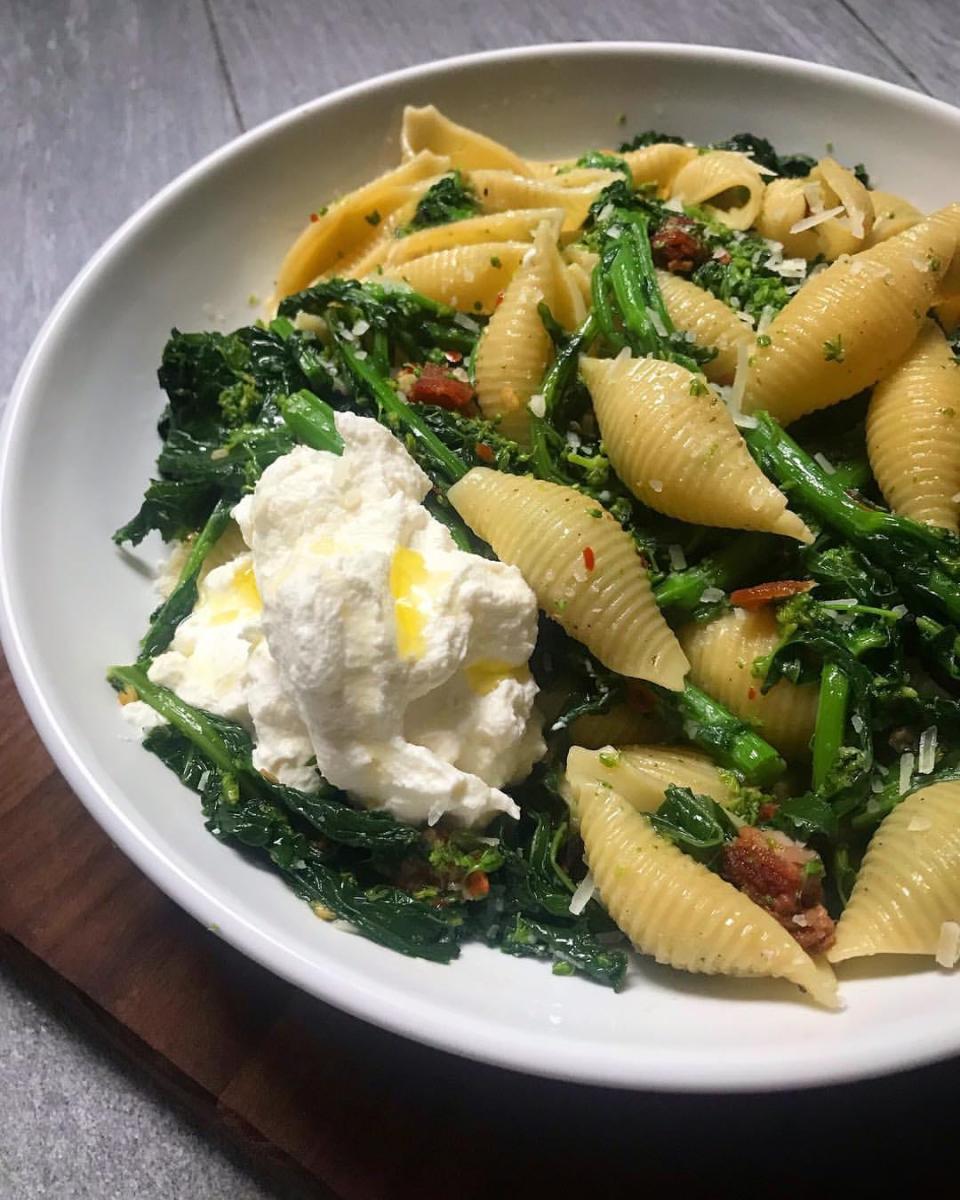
column 569, row 562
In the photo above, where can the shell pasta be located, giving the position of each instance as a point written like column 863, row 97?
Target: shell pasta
column 583, row 567
column 850, row 324
column 913, row 432
column 722, row 654
column 501, row 603
column 678, row 450
column 909, row 884
column 680, row 913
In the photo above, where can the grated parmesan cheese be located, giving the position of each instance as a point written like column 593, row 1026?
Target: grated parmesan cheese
column 734, row 398
column 927, row 758
column 583, row 895
column 657, row 322
column 466, row 322
column 360, row 327
column 656, row 485
column 948, row 945
column 789, row 268
column 919, row 825
column 766, row 318
column 537, row 404
column 857, row 722
column 674, row 204
column 906, row 771
column 678, row 560
column 825, row 462
column 813, row 195
column 711, row 595
column 816, row 218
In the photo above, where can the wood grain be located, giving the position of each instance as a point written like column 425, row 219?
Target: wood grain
column 923, row 36
column 104, row 102
column 283, row 52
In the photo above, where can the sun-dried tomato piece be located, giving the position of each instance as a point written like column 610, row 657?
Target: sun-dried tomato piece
column 765, row 593
column 677, row 247
column 437, row 386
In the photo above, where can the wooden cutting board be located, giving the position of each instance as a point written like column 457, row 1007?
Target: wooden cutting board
column 352, row 1112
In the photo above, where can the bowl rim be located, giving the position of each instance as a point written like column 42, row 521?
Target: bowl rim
column 425, row 1021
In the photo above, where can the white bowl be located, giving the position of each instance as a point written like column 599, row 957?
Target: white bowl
column 79, row 445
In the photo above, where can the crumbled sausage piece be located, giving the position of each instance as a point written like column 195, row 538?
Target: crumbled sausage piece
column 775, row 873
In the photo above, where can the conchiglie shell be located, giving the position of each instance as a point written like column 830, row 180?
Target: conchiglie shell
column 722, row 654
column 909, row 881
column 580, row 279
column 846, row 233
column 875, row 302
column 827, row 187
column 658, row 164
column 680, row 452
column 515, row 348
column 716, row 181
column 427, row 129
column 948, row 314
column 497, row 191
column 913, row 432
column 623, row 725
column 517, row 226
column 544, row 529
column 642, row 774
column 947, row 221
column 469, row 278
column 674, row 908
column 343, row 229
column 710, row 322
column 784, row 204
column 375, row 253
column 569, row 305
column 891, row 215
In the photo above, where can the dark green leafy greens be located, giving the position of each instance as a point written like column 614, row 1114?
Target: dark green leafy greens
column 450, row 199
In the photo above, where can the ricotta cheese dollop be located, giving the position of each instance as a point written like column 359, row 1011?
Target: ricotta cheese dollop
column 404, row 656
column 348, row 633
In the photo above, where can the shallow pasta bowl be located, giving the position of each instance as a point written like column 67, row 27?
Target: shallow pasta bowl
column 79, row 443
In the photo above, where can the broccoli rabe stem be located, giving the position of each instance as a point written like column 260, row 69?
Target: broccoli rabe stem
column 830, row 722
column 396, row 412
column 179, row 604
column 544, row 439
column 914, row 554
column 728, row 739
column 182, row 716
column 311, row 421
column 683, row 590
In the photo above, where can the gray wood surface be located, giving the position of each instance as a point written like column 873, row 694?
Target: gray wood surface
column 103, row 102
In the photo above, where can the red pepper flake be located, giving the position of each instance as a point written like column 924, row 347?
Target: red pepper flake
column 499, row 300
column 314, row 216
column 752, row 694
column 765, row 593
column 453, row 356
column 476, row 885
column 768, row 810
column 485, row 452
column 589, row 558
